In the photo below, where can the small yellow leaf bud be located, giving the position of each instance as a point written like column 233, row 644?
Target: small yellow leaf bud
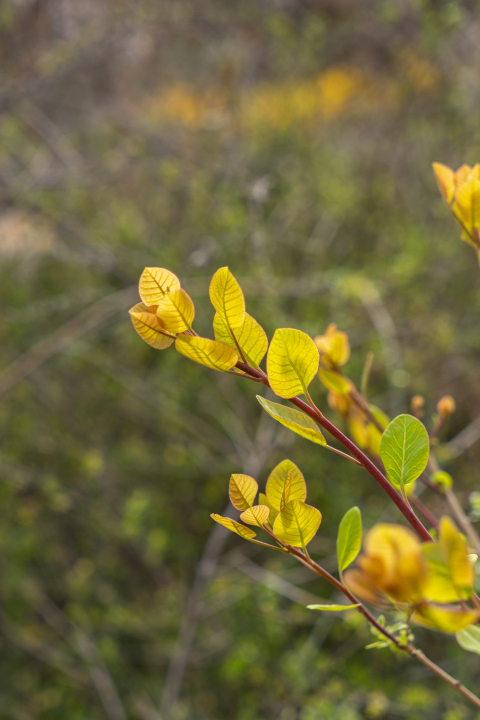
column 416, row 404
column 334, row 347
column 446, row 406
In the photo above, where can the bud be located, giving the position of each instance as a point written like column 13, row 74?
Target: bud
column 416, row 404
column 446, row 406
column 334, row 347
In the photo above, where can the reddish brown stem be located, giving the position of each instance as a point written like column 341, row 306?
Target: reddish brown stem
column 316, row 415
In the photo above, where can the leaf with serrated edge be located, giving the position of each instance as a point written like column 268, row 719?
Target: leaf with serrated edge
column 292, row 362
column 332, row 608
column 263, row 500
column 207, row 352
column 349, row 539
column 242, row 490
column 334, row 381
column 469, row 639
column 149, row 327
column 250, row 336
column 294, row 420
column 297, row 523
column 227, row 298
column 404, row 450
column 176, row 311
column 234, row 526
column 256, row 515
column 277, row 480
column 154, row 283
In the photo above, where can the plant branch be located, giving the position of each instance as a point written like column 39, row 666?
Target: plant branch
column 316, row 415
column 410, row 649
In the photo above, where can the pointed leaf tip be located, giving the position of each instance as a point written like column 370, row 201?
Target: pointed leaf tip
column 234, row 526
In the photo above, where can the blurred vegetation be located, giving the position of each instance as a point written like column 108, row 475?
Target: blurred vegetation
column 291, row 140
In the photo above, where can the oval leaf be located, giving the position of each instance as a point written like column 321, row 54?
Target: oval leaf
column 292, row 362
column 250, row 336
column 294, row 420
column 234, row 526
column 332, row 608
column 227, row 298
column 176, row 311
column 349, row 539
column 155, row 282
column 242, row 490
column 404, row 450
column 149, row 327
column 469, row 639
column 297, row 523
column 277, row 480
column 447, row 618
column 334, row 381
column 207, row 352
column 256, row 515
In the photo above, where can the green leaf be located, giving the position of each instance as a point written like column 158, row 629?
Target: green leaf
column 227, row 298
column 234, row 526
column 250, row 336
column 242, row 490
column 207, row 352
column 332, row 608
column 294, row 420
column 469, row 639
column 277, row 481
column 404, row 450
column 292, row 362
column 297, row 523
column 349, row 539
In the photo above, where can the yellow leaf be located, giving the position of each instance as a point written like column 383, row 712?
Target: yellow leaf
column 334, row 381
column 292, row 362
column 263, row 500
column 227, row 298
column 333, row 346
column 250, row 336
column 278, row 479
column 176, row 311
column 294, row 420
column 297, row 523
column 461, row 570
column 207, row 352
column 234, row 526
column 466, row 204
column 256, row 515
column 242, row 491
column 155, row 282
column 149, row 327
column 286, row 491
column 445, row 179
column 448, row 619
column 439, row 587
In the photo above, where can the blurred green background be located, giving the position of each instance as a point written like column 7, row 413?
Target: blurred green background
column 291, row 140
